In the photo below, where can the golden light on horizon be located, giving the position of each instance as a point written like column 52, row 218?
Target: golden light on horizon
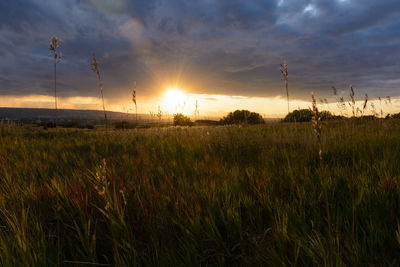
column 175, row 100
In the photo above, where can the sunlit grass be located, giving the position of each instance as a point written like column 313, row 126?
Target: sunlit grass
column 201, row 196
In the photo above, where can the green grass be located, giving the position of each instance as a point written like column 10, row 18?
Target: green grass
column 195, row 196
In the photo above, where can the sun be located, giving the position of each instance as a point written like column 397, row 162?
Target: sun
column 175, row 100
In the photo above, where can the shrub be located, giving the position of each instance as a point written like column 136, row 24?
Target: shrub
column 305, row 115
column 47, row 124
column 124, row 125
column 70, row 124
column 242, row 116
column 394, row 116
column 182, row 120
column 300, row 115
column 368, row 117
column 326, row 115
column 206, row 122
column 88, row 126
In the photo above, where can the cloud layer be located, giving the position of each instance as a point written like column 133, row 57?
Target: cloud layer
column 218, row 47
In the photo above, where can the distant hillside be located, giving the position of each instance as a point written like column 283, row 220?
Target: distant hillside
column 85, row 116
column 43, row 114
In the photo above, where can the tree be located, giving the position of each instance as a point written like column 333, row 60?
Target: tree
column 242, row 116
column 182, row 120
column 301, row 115
column 305, row 115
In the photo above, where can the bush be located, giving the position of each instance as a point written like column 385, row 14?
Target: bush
column 206, row 122
column 89, row 126
column 300, row 115
column 47, row 124
column 70, row 124
column 367, row 117
column 305, row 115
column 242, row 116
column 182, row 120
column 394, row 116
column 326, row 115
column 124, row 125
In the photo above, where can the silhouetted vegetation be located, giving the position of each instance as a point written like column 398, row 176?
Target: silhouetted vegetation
column 300, row 115
column 242, row 116
column 47, row 124
column 56, row 56
column 394, row 116
column 70, row 124
column 285, row 73
column 65, row 124
column 305, row 115
column 124, row 125
column 367, row 118
column 207, row 122
column 182, row 120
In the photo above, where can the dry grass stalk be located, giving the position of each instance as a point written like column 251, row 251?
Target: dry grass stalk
column 284, row 71
column 152, row 115
column 353, row 101
column 334, row 90
column 316, row 122
column 389, row 100
column 196, row 112
column 101, row 179
column 342, row 106
column 365, row 103
column 159, row 115
column 56, row 57
column 134, row 98
column 95, row 68
column 373, row 109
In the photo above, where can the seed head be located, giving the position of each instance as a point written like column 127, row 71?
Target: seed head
column 334, row 90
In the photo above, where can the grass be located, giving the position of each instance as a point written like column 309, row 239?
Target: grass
column 195, row 196
column 56, row 56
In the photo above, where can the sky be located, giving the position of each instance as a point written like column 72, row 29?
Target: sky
column 224, row 54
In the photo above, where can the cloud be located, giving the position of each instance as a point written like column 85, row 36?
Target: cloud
column 219, row 47
column 141, row 10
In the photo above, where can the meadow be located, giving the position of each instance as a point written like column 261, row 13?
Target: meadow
column 201, row 196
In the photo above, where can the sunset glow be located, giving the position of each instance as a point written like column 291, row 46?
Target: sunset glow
column 174, row 100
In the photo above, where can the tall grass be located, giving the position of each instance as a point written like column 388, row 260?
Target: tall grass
column 285, row 73
column 95, row 68
column 352, row 104
column 56, row 56
column 316, row 122
column 134, row 99
column 196, row 111
column 252, row 196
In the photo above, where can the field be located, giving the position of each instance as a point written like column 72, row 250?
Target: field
column 201, row 196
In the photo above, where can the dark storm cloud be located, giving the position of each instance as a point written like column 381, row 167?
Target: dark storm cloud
column 228, row 46
column 142, row 10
